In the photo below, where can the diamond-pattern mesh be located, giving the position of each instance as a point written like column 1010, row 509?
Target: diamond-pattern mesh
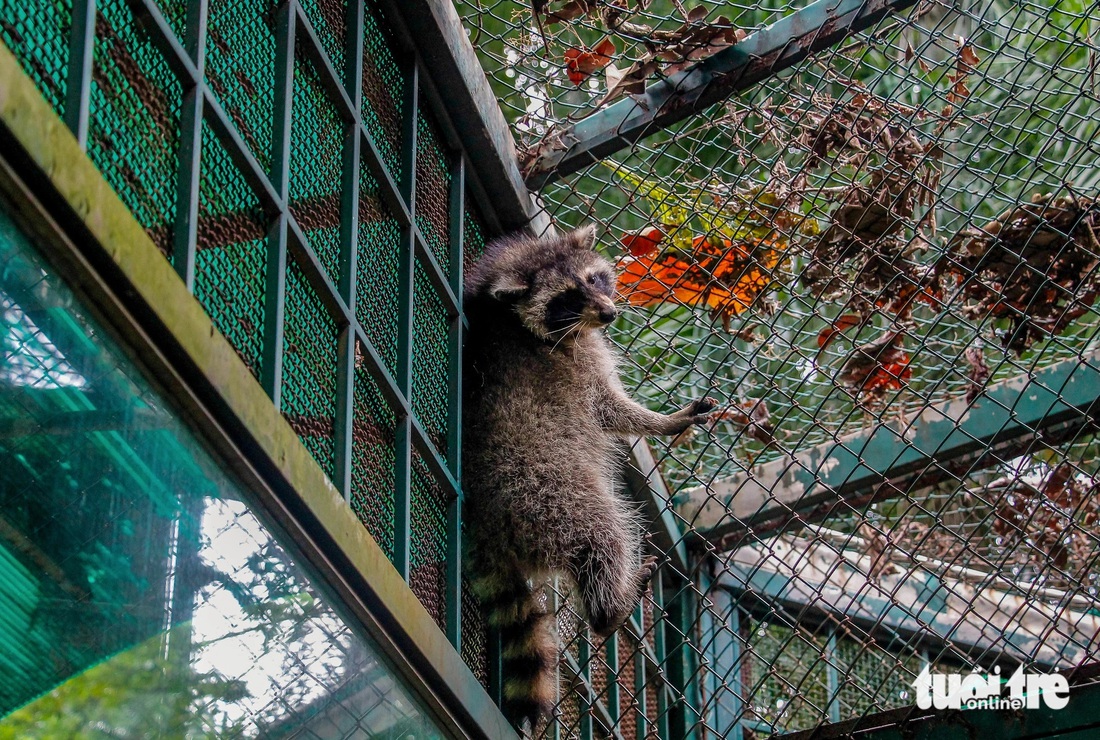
column 135, row 140
column 175, row 12
column 473, row 234
column 316, row 157
column 373, row 457
column 37, row 33
column 309, row 370
column 231, row 248
column 428, row 566
column 385, row 83
column 433, row 187
column 329, row 21
column 475, row 635
column 240, row 68
column 139, row 155
column 376, row 279
column 430, row 360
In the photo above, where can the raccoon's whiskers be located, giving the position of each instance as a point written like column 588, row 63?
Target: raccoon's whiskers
column 566, row 332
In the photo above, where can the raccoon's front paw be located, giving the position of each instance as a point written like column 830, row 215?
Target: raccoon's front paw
column 646, row 573
column 698, row 412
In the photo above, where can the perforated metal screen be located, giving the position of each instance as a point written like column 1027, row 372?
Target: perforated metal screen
column 293, row 162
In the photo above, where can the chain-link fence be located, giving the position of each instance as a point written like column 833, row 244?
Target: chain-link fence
column 882, row 259
column 880, row 255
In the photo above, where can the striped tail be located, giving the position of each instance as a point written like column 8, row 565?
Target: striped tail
column 529, row 648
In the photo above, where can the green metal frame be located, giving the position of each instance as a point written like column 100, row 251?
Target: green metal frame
column 98, row 245
column 759, row 56
column 1042, row 408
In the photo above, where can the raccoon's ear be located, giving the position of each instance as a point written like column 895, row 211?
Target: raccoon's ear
column 584, row 238
column 508, row 286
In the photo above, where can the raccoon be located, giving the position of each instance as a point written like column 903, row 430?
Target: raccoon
column 543, row 410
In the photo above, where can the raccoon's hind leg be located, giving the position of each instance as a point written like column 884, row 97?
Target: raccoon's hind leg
column 610, row 582
column 529, row 647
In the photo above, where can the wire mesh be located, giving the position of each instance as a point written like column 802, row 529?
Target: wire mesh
column 882, row 261
column 318, row 237
column 897, row 232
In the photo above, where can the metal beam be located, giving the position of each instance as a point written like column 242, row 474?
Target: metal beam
column 1041, row 407
column 474, row 111
column 1077, row 721
column 987, row 620
column 762, row 54
column 645, row 486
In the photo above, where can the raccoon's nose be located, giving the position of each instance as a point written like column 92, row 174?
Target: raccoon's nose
column 607, row 315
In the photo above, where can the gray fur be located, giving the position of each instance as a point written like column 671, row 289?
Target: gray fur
column 543, row 409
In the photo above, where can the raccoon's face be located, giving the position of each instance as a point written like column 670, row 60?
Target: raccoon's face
column 561, row 286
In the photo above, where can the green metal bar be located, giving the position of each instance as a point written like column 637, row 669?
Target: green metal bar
column 405, row 286
column 584, row 673
column 187, row 183
column 345, row 411
column 454, row 408
column 353, row 50
column 271, row 371
column 611, row 655
column 725, row 654
column 1037, row 408
column 471, row 105
column 438, row 277
column 759, row 56
column 78, row 83
column 660, row 647
column 832, row 677
column 349, row 258
column 641, row 671
column 681, row 659
column 251, row 170
column 349, row 221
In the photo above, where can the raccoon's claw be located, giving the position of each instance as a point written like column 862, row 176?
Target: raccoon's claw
column 699, row 411
column 703, row 406
column 646, row 573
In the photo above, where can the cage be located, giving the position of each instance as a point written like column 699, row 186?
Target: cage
column 232, row 245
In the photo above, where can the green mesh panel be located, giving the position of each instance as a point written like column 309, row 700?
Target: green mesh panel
column 372, row 464
column 135, row 140
column 37, row 33
column 316, row 146
column 475, row 635
column 873, row 680
column 784, row 675
column 379, row 253
column 473, row 234
column 428, row 572
column 134, row 123
column 430, row 360
column 309, row 370
column 240, row 68
column 230, row 262
column 329, row 21
column 433, row 186
column 384, row 88
column 175, row 12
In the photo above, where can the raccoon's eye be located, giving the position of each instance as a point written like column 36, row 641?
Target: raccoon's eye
column 599, row 280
